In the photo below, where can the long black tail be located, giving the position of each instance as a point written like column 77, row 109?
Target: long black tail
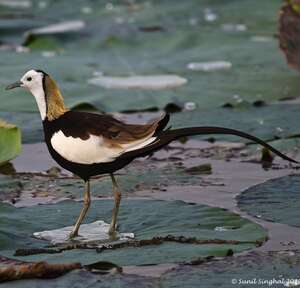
column 167, row 136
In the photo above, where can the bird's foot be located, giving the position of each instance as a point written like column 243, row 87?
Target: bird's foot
column 73, row 234
column 112, row 233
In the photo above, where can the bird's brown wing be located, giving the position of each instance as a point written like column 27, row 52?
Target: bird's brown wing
column 126, row 133
column 82, row 125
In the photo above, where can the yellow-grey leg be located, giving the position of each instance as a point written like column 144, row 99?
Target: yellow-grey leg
column 117, row 197
column 86, row 205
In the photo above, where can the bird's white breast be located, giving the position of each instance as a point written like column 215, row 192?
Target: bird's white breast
column 92, row 150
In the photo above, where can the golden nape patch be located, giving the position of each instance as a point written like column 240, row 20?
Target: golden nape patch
column 55, row 102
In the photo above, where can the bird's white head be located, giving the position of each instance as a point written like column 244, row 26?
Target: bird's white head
column 32, row 80
column 45, row 92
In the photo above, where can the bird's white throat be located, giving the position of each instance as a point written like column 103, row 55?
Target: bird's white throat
column 39, row 95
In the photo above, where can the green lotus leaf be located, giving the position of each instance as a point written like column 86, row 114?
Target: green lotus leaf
column 276, row 200
column 145, row 218
column 273, row 269
column 10, row 141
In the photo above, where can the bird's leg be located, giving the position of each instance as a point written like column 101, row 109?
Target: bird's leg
column 86, row 205
column 117, row 197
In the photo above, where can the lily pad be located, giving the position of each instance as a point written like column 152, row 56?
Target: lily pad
column 144, row 218
column 276, row 200
column 10, row 188
column 85, row 279
column 274, row 269
column 168, row 52
column 10, row 141
column 119, row 48
column 47, row 43
column 137, row 177
column 269, row 122
column 43, row 38
column 150, row 82
column 92, row 232
column 29, row 123
column 23, row 4
column 58, row 28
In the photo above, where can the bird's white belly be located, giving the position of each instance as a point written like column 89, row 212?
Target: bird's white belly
column 92, row 150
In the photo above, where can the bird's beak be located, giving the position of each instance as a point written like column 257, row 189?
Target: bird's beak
column 14, row 85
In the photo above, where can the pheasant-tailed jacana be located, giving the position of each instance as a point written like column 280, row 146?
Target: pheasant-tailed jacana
column 90, row 144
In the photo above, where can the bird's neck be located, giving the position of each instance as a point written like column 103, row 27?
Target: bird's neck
column 49, row 100
column 39, row 95
column 55, row 103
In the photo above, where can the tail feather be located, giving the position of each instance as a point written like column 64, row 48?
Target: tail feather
column 167, row 136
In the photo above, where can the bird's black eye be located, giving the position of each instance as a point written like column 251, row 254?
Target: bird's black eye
column 29, row 79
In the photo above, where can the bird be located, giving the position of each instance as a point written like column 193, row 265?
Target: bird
column 90, row 144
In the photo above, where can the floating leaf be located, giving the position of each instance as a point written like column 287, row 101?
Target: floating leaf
column 10, row 141
column 273, row 269
column 150, row 82
column 144, row 218
column 10, row 188
column 47, row 188
column 276, row 200
column 165, row 53
column 58, row 28
column 42, row 43
column 86, row 279
column 276, row 269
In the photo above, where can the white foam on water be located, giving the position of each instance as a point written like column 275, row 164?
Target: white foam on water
column 92, row 232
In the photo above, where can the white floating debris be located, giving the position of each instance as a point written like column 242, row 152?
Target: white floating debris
column 261, row 121
column 63, row 27
column 262, row 39
column 25, row 4
column 48, row 54
column 209, row 15
column 119, row 20
column 193, row 21
column 86, row 10
column 221, row 229
column 109, row 6
column 279, row 129
column 209, row 66
column 234, row 27
column 190, row 106
column 96, row 231
column 153, row 82
column 236, row 97
column 42, row 4
column 22, row 49
column 10, row 47
column 98, row 73
column 131, row 20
